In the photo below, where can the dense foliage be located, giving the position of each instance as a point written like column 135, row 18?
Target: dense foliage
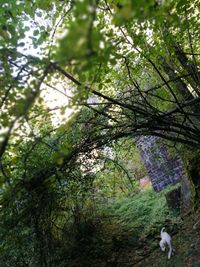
column 123, row 69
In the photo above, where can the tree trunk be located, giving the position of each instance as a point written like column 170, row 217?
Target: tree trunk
column 190, row 67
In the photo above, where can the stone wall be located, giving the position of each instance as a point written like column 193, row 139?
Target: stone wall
column 162, row 168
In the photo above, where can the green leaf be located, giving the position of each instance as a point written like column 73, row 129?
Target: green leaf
column 36, row 32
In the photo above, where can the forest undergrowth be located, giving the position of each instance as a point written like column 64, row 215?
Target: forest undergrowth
column 126, row 232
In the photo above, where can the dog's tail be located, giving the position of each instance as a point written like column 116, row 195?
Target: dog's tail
column 162, row 230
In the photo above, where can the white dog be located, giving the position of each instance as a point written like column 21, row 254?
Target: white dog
column 165, row 241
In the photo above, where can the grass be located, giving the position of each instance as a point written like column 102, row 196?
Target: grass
column 147, row 211
column 126, row 233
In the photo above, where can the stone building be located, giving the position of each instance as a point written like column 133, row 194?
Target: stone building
column 163, row 169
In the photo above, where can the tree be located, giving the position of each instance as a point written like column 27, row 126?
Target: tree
column 136, row 57
column 138, row 60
